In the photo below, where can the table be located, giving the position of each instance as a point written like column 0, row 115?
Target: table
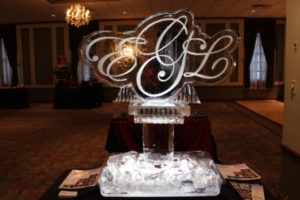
column 14, row 97
column 78, row 97
column 195, row 134
column 93, row 193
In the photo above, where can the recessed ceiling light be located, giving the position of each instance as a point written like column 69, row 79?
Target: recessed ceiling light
column 124, row 12
column 261, row 6
column 257, row 7
column 53, row 15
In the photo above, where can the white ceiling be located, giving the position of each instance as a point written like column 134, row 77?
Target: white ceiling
column 28, row 11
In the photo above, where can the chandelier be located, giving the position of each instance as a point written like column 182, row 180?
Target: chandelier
column 78, row 15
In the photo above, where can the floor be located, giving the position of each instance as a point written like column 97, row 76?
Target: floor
column 270, row 109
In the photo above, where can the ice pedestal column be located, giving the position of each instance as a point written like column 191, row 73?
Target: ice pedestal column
column 158, row 119
column 158, row 142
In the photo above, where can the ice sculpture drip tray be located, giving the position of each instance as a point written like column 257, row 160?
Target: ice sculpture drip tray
column 187, row 174
column 159, row 113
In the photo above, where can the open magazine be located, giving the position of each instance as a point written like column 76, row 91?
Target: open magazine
column 249, row 191
column 238, row 172
column 77, row 179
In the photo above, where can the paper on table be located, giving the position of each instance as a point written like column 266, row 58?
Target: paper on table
column 258, row 192
column 237, row 172
column 249, row 191
column 81, row 179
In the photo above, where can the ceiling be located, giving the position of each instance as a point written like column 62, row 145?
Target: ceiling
column 32, row 11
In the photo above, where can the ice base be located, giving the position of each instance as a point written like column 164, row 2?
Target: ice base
column 131, row 175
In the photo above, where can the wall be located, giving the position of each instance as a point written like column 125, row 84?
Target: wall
column 291, row 136
column 291, row 133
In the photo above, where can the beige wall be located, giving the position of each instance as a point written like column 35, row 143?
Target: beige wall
column 291, row 129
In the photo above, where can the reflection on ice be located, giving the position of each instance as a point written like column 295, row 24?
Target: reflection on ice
column 189, row 174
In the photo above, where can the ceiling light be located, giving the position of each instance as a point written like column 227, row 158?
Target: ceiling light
column 256, row 7
column 260, row 6
column 78, row 15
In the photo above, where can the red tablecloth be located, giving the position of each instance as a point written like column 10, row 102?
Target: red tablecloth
column 195, row 134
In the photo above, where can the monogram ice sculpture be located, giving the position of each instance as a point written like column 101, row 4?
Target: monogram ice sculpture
column 165, row 52
column 154, row 66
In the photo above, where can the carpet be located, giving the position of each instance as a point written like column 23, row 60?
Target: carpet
column 270, row 109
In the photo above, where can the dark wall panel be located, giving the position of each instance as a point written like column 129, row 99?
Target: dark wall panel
column 279, row 59
column 43, row 55
column 75, row 36
column 60, row 41
column 26, row 56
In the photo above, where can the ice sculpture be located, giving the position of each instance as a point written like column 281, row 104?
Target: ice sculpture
column 155, row 66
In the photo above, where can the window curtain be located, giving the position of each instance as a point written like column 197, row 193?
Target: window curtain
column 258, row 66
column 8, row 33
column 266, row 28
column 5, row 67
column 83, row 72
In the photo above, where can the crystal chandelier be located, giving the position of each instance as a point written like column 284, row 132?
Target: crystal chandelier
column 78, row 15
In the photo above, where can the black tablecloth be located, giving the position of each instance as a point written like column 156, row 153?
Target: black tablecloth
column 79, row 97
column 14, row 97
column 93, row 193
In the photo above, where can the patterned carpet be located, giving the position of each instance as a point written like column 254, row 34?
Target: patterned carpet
column 245, row 137
column 38, row 143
